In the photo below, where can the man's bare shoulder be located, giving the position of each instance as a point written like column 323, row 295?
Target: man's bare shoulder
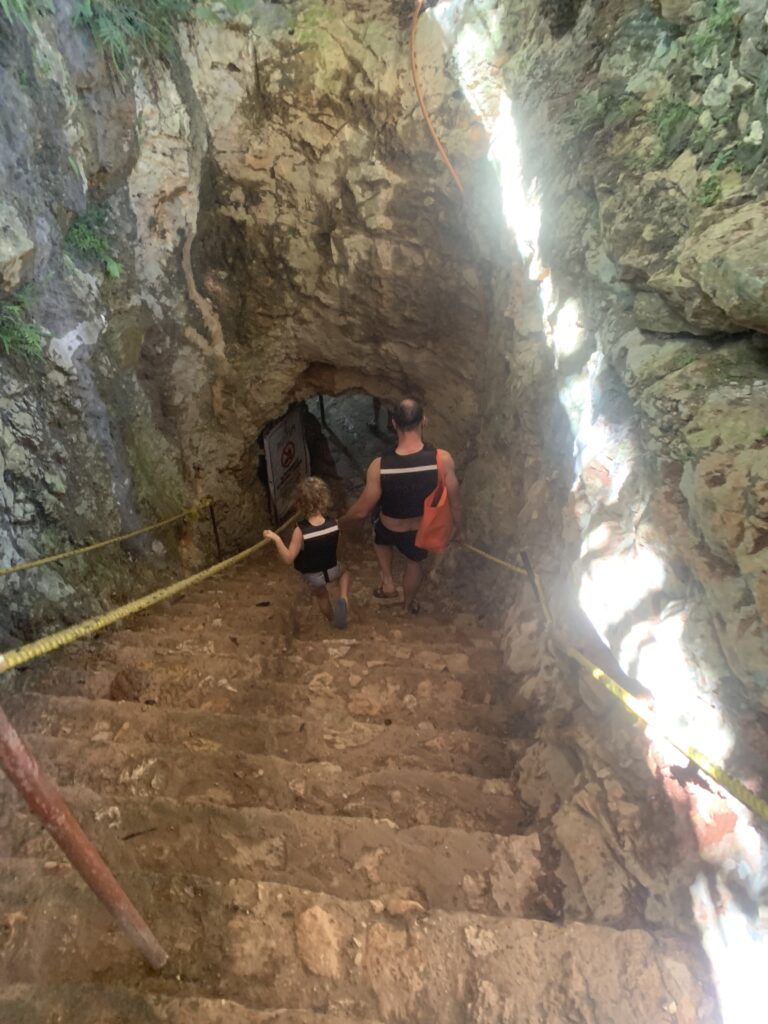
column 446, row 458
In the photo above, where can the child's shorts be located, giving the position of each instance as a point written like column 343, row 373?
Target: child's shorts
column 319, row 579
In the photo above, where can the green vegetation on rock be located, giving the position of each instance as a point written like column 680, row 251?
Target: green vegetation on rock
column 719, row 28
column 87, row 241
column 17, row 332
column 589, row 111
column 708, row 190
column 23, row 10
column 674, row 122
column 126, row 30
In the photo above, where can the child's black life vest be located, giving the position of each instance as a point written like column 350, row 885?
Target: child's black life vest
column 320, row 544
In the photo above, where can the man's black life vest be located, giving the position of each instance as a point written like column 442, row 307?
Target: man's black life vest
column 406, row 480
column 320, row 544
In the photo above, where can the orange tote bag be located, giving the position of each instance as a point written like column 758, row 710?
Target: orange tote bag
column 436, row 527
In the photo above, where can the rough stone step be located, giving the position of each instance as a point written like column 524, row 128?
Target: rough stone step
column 379, row 700
column 346, row 665
column 252, row 611
column 407, row 796
column 265, row 945
column 193, row 642
column 93, row 1004
column 479, row 670
column 116, row 653
column 458, row 658
column 351, row 858
column 359, row 745
column 448, row 657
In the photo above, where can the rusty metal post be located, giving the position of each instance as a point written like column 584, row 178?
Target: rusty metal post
column 216, row 537
column 47, row 803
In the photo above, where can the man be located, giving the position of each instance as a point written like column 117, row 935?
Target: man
column 400, row 481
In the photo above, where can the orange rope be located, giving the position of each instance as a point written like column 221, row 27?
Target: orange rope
column 414, row 71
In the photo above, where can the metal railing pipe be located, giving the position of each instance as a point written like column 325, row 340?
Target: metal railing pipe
column 44, row 800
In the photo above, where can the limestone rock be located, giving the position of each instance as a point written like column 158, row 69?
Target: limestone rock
column 16, row 248
column 604, row 884
column 318, row 940
column 728, row 260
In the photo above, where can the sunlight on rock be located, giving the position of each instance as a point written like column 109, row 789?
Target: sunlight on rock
column 737, row 947
column 614, row 585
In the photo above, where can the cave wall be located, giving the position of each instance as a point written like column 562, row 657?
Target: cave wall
column 272, row 201
column 632, row 316
column 624, row 443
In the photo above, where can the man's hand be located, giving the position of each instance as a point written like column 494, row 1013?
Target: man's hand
column 270, row 535
column 368, row 500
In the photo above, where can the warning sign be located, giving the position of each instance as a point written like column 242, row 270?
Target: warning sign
column 287, row 460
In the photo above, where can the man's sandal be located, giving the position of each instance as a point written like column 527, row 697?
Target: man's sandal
column 383, row 594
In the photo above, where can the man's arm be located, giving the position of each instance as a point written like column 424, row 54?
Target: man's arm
column 369, row 498
column 452, row 487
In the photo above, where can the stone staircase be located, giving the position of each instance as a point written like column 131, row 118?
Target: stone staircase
column 320, row 827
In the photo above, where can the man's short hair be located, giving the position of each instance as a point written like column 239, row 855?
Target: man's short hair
column 408, row 414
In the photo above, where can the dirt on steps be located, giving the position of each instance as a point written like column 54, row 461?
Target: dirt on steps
column 451, row 869
column 267, row 946
column 407, row 796
column 92, row 1004
column 320, row 827
column 357, row 745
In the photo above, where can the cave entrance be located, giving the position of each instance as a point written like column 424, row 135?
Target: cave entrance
column 356, row 428
column 343, row 434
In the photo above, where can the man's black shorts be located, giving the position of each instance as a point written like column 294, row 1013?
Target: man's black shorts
column 404, row 542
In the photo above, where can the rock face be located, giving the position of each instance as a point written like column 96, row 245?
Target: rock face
column 283, row 228
column 587, row 324
column 633, row 156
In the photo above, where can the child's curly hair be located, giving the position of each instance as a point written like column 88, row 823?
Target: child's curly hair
column 312, row 497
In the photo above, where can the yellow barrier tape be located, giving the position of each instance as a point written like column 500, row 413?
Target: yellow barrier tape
column 8, row 571
column 492, row 558
column 734, row 786
column 47, row 644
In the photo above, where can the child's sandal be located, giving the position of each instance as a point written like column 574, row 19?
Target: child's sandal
column 340, row 614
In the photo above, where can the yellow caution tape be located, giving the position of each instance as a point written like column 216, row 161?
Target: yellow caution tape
column 46, row 644
column 492, row 558
column 734, row 786
column 105, row 543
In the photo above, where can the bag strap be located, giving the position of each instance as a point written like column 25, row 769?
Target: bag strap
column 440, row 474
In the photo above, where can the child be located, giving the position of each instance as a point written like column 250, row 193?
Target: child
column 312, row 549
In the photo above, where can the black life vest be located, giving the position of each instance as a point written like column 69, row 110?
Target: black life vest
column 320, row 544
column 406, row 480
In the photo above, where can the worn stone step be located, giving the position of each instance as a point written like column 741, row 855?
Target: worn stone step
column 379, row 699
column 261, row 610
column 94, row 1004
column 407, row 796
column 359, row 745
column 265, row 945
column 118, row 653
column 398, row 646
column 350, row 858
column 344, row 665
column 191, row 640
